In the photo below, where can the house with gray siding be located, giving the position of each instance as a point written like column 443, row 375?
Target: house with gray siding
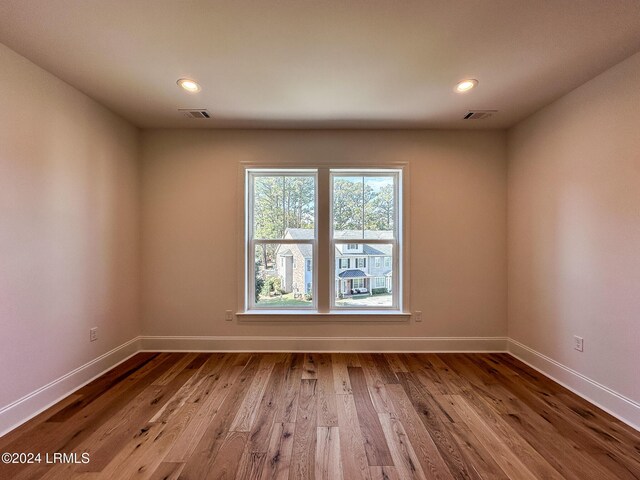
column 359, row 267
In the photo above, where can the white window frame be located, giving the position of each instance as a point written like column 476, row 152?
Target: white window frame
column 378, row 262
column 395, row 242
column 324, row 266
column 250, row 285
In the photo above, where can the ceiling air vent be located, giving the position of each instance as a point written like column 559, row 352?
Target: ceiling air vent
column 194, row 113
column 479, row 114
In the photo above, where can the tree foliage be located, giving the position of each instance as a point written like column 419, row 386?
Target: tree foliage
column 282, row 202
column 358, row 205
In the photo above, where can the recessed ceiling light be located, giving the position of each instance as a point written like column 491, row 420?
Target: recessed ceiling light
column 189, row 85
column 466, row 85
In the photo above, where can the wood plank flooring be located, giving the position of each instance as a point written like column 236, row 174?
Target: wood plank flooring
column 276, row 416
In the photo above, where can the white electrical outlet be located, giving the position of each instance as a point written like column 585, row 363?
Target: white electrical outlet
column 578, row 343
column 93, row 334
column 228, row 315
column 418, row 315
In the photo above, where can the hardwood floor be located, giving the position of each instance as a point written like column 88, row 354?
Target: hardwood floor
column 334, row 416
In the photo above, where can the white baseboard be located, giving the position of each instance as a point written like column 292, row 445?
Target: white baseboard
column 27, row 407
column 324, row 344
column 621, row 407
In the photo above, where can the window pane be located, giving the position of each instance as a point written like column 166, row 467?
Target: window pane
column 360, row 280
column 283, row 206
column 363, row 207
column 284, row 275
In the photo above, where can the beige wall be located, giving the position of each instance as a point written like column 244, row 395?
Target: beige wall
column 574, row 229
column 190, row 224
column 68, row 228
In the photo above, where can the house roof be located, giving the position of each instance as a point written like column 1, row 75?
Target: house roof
column 306, row 250
column 307, row 234
column 352, row 273
column 378, row 249
column 299, row 233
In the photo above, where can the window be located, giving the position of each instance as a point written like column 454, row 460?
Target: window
column 281, row 221
column 344, row 215
column 366, row 212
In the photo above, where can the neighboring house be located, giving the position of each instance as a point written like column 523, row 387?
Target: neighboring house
column 358, row 266
column 294, row 267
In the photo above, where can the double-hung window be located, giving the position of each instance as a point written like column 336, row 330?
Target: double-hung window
column 281, row 233
column 315, row 239
column 365, row 214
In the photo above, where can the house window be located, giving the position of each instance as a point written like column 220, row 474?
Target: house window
column 366, row 212
column 380, row 282
column 297, row 217
column 281, row 223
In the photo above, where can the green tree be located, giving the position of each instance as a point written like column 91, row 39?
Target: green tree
column 347, row 204
column 259, row 282
column 382, row 207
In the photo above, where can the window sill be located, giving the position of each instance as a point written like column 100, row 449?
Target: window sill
column 307, row 316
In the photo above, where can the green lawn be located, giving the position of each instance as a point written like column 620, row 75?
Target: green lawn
column 286, row 300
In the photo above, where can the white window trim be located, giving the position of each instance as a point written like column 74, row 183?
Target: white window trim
column 325, row 293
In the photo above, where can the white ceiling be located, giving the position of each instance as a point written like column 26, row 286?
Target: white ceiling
column 314, row 63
